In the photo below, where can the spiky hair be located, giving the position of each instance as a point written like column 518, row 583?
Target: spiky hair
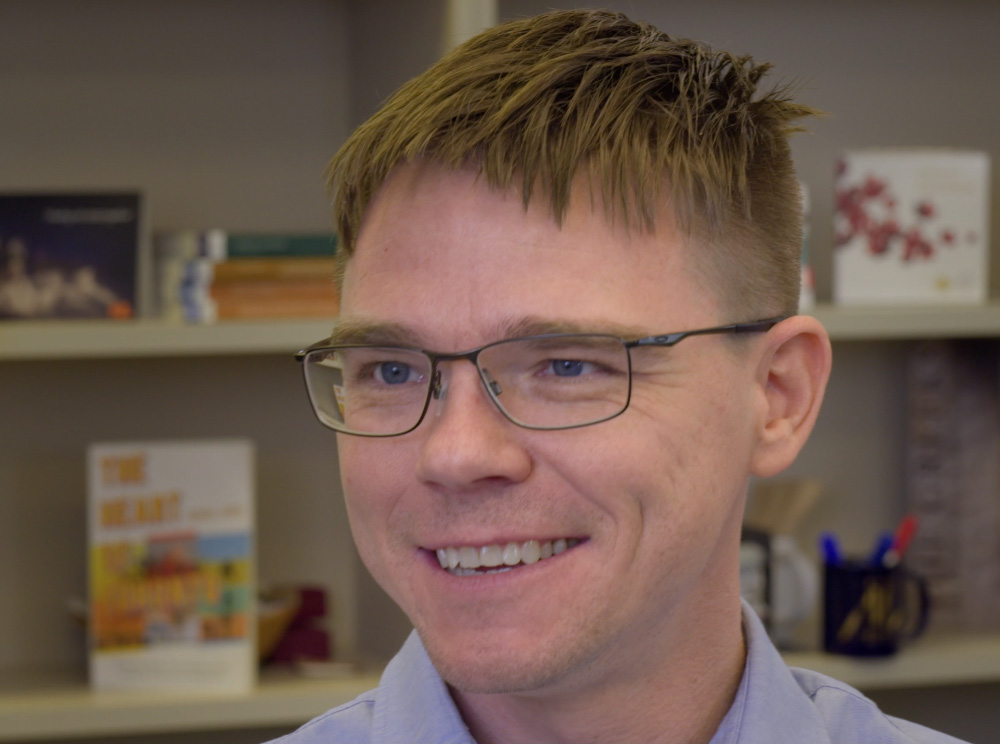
column 533, row 103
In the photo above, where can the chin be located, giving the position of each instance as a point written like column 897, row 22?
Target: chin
column 500, row 667
column 492, row 676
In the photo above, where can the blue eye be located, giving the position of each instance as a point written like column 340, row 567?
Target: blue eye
column 567, row 367
column 393, row 373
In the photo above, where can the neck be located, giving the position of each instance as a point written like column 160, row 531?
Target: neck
column 678, row 689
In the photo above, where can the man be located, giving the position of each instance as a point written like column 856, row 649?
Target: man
column 567, row 339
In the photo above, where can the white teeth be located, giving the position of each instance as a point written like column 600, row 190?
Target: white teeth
column 468, row 557
column 512, row 554
column 491, row 556
column 531, row 552
column 465, row 560
column 448, row 558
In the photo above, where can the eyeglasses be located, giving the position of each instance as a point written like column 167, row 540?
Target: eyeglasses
column 551, row 381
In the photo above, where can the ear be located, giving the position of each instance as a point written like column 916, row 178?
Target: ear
column 791, row 376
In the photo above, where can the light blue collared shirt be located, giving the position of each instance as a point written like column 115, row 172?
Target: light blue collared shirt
column 774, row 705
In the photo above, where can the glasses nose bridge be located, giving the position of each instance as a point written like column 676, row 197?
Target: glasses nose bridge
column 439, row 388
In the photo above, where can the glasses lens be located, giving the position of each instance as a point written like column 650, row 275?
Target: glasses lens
column 556, row 382
column 368, row 390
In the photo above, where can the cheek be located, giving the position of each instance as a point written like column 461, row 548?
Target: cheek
column 372, row 485
column 675, row 464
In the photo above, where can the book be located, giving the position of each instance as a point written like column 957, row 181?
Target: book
column 269, row 245
column 264, row 275
column 254, row 269
column 69, row 255
column 911, row 226
column 301, row 298
column 171, row 565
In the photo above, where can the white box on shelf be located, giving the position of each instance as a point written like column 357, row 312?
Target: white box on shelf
column 911, row 226
column 171, row 565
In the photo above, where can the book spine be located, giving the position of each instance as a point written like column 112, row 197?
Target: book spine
column 275, row 299
column 294, row 307
column 244, row 269
column 250, row 245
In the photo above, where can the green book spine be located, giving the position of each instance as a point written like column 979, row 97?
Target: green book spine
column 261, row 245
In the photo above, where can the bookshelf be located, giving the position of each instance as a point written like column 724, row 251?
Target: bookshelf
column 62, row 706
column 91, row 107
column 27, row 340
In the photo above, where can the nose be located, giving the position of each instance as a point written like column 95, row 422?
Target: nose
column 468, row 442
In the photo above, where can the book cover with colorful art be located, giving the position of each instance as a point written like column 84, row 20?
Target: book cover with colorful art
column 171, row 565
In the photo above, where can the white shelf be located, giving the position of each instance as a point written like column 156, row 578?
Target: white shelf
column 67, row 708
column 929, row 662
column 44, row 339
column 52, row 709
column 22, row 340
column 909, row 322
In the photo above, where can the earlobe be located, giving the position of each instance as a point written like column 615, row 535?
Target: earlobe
column 792, row 377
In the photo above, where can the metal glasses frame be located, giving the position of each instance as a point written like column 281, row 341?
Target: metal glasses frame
column 472, row 355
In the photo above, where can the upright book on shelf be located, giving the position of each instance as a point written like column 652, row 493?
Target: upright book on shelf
column 911, row 225
column 69, row 255
column 171, row 565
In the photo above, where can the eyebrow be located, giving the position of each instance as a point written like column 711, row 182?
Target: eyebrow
column 359, row 331
column 533, row 326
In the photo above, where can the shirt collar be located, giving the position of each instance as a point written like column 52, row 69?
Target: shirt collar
column 413, row 702
column 769, row 706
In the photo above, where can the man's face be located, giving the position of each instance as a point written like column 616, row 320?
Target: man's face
column 651, row 500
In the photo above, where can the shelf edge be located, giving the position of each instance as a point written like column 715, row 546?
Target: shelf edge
column 71, row 709
column 74, row 711
column 40, row 340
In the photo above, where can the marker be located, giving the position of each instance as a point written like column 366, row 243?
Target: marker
column 882, row 546
column 829, row 548
column 900, row 541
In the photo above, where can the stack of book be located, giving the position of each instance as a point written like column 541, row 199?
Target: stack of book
column 201, row 277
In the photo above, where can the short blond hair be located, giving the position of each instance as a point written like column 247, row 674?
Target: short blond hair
column 532, row 103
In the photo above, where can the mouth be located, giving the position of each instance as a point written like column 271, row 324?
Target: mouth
column 470, row 560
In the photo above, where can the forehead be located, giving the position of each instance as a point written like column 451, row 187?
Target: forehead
column 442, row 252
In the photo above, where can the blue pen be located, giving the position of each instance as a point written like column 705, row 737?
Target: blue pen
column 881, row 548
column 829, row 548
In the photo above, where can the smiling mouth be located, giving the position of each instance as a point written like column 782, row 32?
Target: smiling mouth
column 469, row 560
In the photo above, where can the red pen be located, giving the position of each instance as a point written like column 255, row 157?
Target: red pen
column 900, row 541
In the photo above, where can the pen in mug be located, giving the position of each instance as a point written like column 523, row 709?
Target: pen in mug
column 882, row 547
column 829, row 548
column 900, row 541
